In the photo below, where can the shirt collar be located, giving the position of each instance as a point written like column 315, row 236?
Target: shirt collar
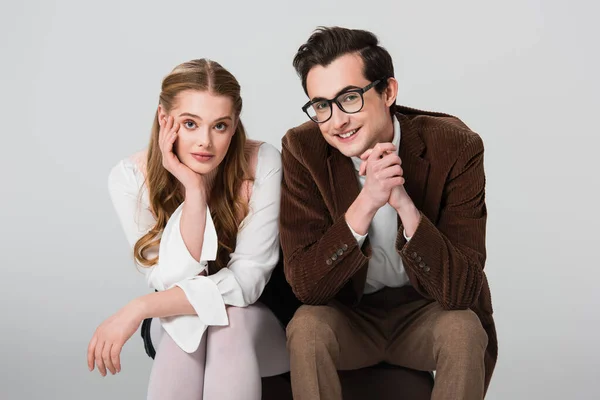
column 396, row 142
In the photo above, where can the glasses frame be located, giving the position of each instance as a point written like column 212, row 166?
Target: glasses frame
column 360, row 91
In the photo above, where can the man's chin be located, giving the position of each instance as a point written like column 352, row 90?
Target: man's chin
column 354, row 150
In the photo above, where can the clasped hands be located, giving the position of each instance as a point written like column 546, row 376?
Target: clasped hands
column 384, row 177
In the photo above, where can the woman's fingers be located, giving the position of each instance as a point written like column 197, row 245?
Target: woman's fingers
column 90, row 352
column 99, row 360
column 162, row 121
column 115, row 355
column 107, row 358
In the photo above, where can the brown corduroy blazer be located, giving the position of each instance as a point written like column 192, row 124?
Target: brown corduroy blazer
column 442, row 161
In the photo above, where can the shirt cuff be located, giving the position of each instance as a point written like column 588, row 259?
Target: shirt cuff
column 205, row 297
column 406, row 237
column 360, row 239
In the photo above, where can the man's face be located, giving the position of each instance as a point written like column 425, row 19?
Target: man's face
column 352, row 134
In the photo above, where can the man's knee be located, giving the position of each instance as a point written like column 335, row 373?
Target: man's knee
column 460, row 331
column 310, row 331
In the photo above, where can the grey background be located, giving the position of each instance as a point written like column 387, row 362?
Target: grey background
column 79, row 85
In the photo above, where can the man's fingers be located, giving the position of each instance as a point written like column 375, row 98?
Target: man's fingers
column 391, row 171
column 366, row 154
column 396, row 181
column 363, row 168
column 388, row 159
column 381, row 149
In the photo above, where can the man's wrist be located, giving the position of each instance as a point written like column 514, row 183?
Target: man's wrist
column 366, row 205
column 405, row 206
column 411, row 217
column 360, row 214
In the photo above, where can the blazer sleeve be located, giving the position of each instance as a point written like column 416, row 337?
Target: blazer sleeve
column 445, row 260
column 320, row 254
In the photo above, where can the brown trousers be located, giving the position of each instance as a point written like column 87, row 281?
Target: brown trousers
column 394, row 325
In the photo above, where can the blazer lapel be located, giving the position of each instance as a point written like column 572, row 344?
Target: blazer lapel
column 344, row 189
column 343, row 181
column 416, row 168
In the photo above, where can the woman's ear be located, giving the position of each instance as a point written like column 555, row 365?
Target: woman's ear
column 391, row 92
column 160, row 113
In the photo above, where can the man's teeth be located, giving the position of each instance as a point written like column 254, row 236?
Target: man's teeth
column 348, row 134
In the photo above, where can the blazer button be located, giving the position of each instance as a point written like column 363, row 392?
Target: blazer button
column 340, row 252
column 426, row 269
column 345, row 247
column 328, row 262
column 418, row 259
column 422, row 264
column 414, row 255
column 334, row 257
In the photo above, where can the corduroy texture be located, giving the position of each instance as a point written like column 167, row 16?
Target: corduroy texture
column 442, row 161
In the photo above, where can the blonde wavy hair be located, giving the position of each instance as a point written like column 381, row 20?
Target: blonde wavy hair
column 165, row 191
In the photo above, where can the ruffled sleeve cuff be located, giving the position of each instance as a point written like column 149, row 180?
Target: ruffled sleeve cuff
column 187, row 330
column 175, row 261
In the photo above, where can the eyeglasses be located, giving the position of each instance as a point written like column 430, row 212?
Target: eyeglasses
column 350, row 101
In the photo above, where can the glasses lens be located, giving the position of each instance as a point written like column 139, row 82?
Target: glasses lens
column 319, row 111
column 351, row 102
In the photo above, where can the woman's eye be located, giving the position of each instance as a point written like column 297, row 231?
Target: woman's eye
column 221, row 126
column 189, row 124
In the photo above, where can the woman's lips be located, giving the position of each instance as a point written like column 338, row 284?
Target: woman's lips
column 202, row 157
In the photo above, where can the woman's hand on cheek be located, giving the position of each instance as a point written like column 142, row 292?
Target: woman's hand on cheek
column 169, row 130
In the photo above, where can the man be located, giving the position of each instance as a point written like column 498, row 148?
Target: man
column 382, row 228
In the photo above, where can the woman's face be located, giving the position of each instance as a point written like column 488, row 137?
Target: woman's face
column 207, row 123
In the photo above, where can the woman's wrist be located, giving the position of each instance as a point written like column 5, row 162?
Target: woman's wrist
column 195, row 195
column 138, row 309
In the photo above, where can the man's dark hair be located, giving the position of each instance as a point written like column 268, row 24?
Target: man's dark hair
column 328, row 43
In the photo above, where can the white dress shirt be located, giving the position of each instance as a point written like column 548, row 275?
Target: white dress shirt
column 250, row 265
column 385, row 265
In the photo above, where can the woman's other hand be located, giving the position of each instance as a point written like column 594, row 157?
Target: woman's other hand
column 105, row 347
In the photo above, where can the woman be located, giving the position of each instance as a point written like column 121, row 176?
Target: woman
column 200, row 209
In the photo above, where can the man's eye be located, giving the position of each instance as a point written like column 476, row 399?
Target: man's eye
column 323, row 105
column 350, row 97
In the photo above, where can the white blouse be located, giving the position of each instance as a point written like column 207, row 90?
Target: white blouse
column 250, row 265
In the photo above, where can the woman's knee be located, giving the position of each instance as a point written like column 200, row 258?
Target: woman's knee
column 242, row 327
